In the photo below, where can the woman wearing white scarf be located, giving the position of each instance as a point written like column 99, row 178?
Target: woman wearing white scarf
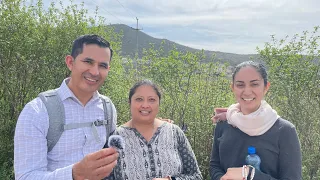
column 253, row 122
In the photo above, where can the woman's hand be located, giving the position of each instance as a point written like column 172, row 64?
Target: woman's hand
column 161, row 178
column 220, row 114
column 233, row 174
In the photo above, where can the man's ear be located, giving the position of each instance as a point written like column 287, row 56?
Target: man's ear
column 69, row 62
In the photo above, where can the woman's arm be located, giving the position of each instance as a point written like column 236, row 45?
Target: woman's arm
column 290, row 163
column 216, row 171
column 190, row 168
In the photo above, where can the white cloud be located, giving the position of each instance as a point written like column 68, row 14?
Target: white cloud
column 235, row 26
column 238, row 47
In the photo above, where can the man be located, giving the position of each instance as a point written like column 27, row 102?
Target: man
column 78, row 154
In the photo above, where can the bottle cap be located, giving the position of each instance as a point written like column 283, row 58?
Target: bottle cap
column 251, row 150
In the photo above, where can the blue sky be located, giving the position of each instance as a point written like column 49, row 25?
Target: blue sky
column 234, row 26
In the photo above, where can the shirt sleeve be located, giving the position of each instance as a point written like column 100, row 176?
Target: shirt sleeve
column 30, row 146
column 290, row 158
column 190, row 168
column 216, row 171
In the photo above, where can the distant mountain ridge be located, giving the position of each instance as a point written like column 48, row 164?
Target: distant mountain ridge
column 129, row 46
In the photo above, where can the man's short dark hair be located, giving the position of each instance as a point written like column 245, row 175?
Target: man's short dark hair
column 77, row 46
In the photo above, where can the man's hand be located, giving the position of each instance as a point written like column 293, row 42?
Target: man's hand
column 220, row 114
column 96, row 165
column 233, row 174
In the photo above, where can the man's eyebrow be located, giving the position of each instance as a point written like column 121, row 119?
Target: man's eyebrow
column 101, row 63
column 88, row 59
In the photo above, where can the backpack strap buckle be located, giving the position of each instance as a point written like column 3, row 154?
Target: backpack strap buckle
column 100, row 122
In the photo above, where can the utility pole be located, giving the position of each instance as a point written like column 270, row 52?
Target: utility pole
column 137, row 39
column 137, row 48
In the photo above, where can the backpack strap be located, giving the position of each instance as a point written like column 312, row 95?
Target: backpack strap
column 56, row 116
column 108, row 114
column 57, row 123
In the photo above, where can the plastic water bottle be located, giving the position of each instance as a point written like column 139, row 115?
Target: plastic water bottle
column 252, row 158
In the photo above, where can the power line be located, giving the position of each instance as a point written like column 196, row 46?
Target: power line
column 126, row 8
column 100, row 7
column 137, row 27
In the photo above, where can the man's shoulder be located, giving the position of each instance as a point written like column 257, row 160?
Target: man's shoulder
column 36, row 105
column 34, row 113
column 104, row 97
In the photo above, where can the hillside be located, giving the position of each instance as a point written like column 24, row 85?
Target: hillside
column 129, row 46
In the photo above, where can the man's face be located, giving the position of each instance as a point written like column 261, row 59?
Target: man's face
column 88, row 70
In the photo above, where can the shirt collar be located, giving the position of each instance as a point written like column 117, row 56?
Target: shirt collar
column 65, row 92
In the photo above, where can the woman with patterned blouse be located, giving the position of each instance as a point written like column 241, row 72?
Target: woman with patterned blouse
column 154, row 149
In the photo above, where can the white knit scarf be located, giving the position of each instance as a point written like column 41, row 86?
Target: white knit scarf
column 254, row 124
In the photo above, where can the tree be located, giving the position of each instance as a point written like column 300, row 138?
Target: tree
column 34, row 41
column 190, row 90
column 294, row 73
